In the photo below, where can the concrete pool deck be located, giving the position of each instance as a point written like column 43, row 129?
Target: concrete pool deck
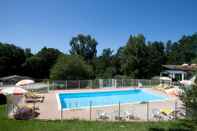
column 49, row 108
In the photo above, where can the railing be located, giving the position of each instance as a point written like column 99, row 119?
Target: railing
column 106, row 83
column 144, row 111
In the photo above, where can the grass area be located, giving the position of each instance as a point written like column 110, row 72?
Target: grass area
column 76, row 125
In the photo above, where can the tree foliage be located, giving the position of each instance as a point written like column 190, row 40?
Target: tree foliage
column 11, row 58
column 136, row 59
column 35, row 67
column 39, row 65
column 184, row 50
column 71, row 67
column 85, row 46
column 105, row 67
column 194, row 61
column 134, row 62
column 156, row 58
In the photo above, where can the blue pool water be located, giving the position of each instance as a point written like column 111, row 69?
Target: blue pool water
column 106, row 98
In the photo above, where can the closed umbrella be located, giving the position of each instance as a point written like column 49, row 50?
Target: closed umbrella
column 25, row 82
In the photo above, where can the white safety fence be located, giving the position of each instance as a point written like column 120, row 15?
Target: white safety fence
column 145, row 111
column 106, row 83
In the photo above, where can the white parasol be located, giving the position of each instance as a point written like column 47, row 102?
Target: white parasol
column 13, row 91
column 25, row 82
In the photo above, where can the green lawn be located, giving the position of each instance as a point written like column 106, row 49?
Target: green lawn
column 75, row 125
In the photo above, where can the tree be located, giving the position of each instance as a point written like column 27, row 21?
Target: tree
column 34, row 66
column 134, row 60
column 194, row 61
column 39, row 65
column 105, row 67
column 168, row 48
column 156, row 57
column 85, row 46
column 49, row 57
column 28, row 53
column 11, row 59
column 184, row 50
column 71, row 67
column 5, row 66
column 117, row 59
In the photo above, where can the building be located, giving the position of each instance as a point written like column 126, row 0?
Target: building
column 179, row 72
column 12, row 80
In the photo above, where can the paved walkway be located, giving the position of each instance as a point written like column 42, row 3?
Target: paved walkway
column 49, row 108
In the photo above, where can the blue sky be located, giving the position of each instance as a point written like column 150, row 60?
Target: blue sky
column 52, row 23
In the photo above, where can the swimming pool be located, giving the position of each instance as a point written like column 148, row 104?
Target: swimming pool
column 106, row 98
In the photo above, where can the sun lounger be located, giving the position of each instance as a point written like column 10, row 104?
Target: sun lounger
column 119, row 115
column 34, row 95
column 33, row 100
column 163, row 87
column 168, row 113
column 157, row 115
column 30, row 106
column 129, row 115
column 101, row 115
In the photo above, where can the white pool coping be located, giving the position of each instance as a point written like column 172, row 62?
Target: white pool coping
column 100, row 90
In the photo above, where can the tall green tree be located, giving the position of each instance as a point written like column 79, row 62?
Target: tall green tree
column 85, row 46
column 11, row 59
column 34, row 67
column 134, row 59
column 117, row 59
column 49, row 57
column 184, row 50
column 71, row 67
column 105, row 67
column 39, row 65
column 156, row 57
column 194, row 61
column 28, row 53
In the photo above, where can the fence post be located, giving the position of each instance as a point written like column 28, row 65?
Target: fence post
column 66, row 84
column 147, row 111
column 90, row 110
column 115, row 82
column 119, row 110
column 48, row 85
column 53, row 85
column 175, row 108
column 61, row 114
column 150, row 84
